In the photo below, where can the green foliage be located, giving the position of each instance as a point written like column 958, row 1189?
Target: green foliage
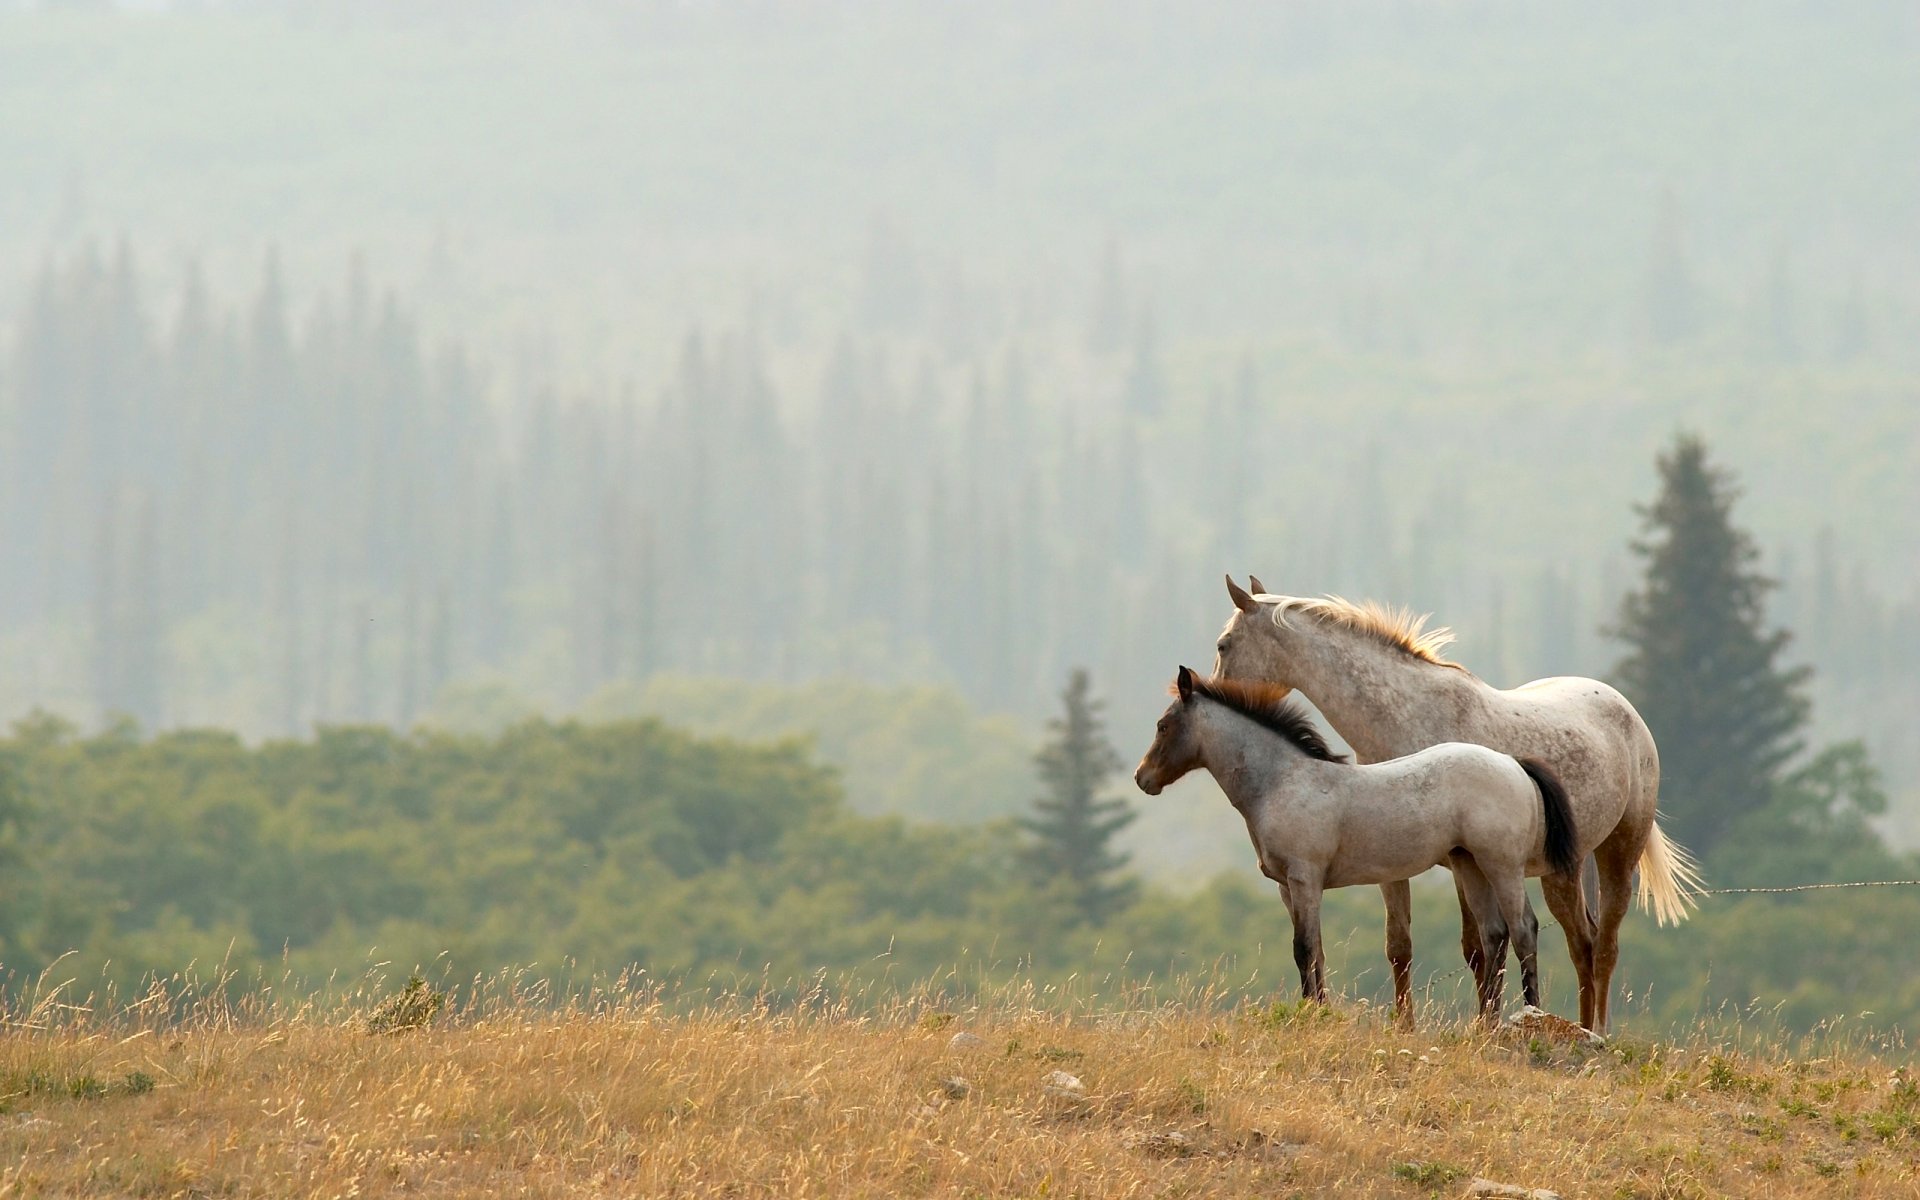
column 193, row 847
column 1282, row 1013
column 1700, row 668
column 1075, row 821
column 1190, row 1096
column 915, row 750
column 587, row 849
column 1815, row 826
column 414, row 1008
column 1432, row 1175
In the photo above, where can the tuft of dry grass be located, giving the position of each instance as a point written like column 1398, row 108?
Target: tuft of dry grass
column 1024, row 1091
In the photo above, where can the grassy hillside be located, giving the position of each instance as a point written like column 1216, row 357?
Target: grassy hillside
column 622, row 1094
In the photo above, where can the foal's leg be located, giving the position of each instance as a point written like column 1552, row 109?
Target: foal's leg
column 1293, row 919
column 1479, row 894
column 1510, row 892
column 1399, row 898
column 1470, row 947
column 1567, row 901
column 1304, row 903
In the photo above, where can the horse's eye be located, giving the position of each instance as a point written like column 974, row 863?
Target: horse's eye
column 1161, row 725
column 1221, row 646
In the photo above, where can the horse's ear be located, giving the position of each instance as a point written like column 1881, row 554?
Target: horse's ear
column 1259, row 589
column 1184, row 680
column 1241, row 600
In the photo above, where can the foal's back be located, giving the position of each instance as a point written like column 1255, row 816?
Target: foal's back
column 1389, row 821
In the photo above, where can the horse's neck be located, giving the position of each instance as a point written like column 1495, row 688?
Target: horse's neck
column 1382, row 701
column 1250, row 764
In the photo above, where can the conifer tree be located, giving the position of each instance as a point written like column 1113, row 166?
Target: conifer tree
column 1672, row 300
column 1146, row 386
column 1700, row 666
column 1075, row 820
column 1109, row 325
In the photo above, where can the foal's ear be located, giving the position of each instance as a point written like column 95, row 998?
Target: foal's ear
column 1184, row 681
column 1259, row 589
column 1241, row 600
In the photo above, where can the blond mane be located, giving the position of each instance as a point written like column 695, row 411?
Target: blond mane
column 1390, row 625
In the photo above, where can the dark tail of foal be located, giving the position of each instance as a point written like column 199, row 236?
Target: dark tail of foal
column 1563, row 845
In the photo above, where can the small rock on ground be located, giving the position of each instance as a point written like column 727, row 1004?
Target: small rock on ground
column 965, row 1041
column 956, row 1087
column 1539, row 1023
column 1059, row 1082
column 1171, row 1144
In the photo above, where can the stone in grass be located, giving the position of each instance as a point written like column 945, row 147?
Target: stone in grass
column 1489, row 1189
column 965, row 1041
column 1171, row 1144
column 1066, row 1095
column 1061, row 1085
column 1539, row 1023
column 956, row 1087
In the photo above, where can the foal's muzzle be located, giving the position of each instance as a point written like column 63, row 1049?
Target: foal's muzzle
column 1144, row 780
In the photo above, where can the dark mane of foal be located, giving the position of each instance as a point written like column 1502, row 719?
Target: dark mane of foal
column 1267, row 705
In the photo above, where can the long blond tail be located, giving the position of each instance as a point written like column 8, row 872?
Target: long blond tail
column 1669, row 879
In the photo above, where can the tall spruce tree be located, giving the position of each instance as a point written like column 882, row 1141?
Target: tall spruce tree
column 1074, row 820
column 1672, row 300
column 1700, row 666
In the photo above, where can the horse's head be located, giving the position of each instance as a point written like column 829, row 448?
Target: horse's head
column 1176, row 743
column 1250, row 647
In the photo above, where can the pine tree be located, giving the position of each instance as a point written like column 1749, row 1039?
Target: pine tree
column 1700, row 666
column 1073, row 825
column 1109, row 325
column 1671, row 298
column 1146, row 386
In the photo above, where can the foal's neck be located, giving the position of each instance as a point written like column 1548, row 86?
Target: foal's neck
column 1247, row 760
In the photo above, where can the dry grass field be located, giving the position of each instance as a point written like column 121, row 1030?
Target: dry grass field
column 620, row 1093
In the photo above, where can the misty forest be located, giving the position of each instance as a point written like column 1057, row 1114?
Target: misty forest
column 723, row 489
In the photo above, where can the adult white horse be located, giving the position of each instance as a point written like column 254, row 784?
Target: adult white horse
column 1318, row 822
column 1377, row 675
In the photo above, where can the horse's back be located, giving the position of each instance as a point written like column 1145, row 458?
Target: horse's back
column 1587, row 733
column 1464, row 768
column 1456, row 756
column 1545, row 709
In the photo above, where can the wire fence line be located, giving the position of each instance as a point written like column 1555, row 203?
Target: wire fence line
column 1807, row 887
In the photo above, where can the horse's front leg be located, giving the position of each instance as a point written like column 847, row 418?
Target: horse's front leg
column 1304, row 894
column 1399, row 900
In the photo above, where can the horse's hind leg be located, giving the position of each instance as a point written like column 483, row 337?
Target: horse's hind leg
column 1399, row 899
column 1471, row 947
column 1567, row 901
column 1510, row 890
column 1616, row 858
column 1478, row 893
